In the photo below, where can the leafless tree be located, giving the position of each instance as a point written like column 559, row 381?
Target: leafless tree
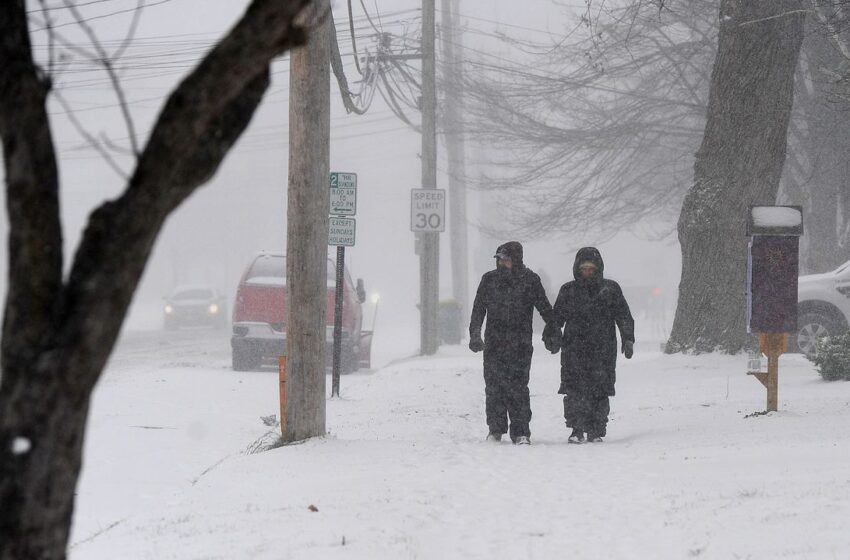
column 603, row 144
column 59, row 330
column 739, row 164
column 816, row 174
column 598, row 131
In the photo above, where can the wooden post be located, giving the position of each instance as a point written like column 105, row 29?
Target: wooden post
column 307, row 233
column 429, row 256
column 453, row 131
column 771, row 345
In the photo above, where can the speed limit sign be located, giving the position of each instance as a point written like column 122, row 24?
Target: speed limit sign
column 427, row 210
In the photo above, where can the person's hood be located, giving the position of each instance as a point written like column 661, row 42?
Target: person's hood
column 512, row 249
column 589, row 254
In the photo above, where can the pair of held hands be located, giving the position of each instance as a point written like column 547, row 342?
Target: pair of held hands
column 552, row 344
column 551, row 340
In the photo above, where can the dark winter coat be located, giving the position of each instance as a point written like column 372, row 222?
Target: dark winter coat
column 507, row 298
column 588, row 310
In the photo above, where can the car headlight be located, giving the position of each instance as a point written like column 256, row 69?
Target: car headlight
column 169, row 310
column 213, row 308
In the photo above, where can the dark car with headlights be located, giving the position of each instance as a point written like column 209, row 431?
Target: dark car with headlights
column 194, row 306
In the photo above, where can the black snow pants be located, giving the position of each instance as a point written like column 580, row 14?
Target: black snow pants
column 587, row 411
column 506, row 391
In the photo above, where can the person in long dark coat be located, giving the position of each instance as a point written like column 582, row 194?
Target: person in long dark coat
column 507, row 297
column 589, row 308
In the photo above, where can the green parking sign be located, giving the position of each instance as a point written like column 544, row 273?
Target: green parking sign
column 343, row 190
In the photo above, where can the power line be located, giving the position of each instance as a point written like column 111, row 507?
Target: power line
column 102, row 16
column 52, row 8
column 353, row 40
column 368, row 17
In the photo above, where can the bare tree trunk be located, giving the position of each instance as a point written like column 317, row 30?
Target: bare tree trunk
column 57, row 336
column 307, row 236
column 738, row 164
column 826, row 146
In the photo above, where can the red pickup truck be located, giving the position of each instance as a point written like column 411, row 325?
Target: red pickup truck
column 259, row 317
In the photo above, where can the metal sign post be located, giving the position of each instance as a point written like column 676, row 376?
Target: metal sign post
column 427, row 219
column 337, row 353
column 772, row 270
column 341, row 233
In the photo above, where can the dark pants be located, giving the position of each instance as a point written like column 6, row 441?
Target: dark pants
column 587, row 412
column 506, row 391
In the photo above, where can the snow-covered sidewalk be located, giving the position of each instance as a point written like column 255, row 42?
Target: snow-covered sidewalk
column 405, row 473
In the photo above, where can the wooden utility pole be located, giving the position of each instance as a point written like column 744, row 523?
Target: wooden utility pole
column 429, row 255
column 307, row 234
column 453, row 130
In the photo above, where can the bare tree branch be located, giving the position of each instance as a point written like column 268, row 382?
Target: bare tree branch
column 50, row 38
column 834, row 34
column 89, row 138
column 104, row 60
column 58, row 335
column 603, row 142
column 131, row 32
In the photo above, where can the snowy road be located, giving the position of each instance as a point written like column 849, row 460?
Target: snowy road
column 404, row 472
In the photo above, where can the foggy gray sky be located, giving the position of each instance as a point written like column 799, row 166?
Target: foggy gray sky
column 242, row 210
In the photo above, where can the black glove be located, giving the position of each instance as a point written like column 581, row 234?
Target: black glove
column 552, row 339
column 476, row 344
column 628, row 349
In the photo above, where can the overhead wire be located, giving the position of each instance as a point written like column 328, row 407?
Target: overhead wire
column 101, row 16
column 153, row 57
column 368, row 17
column 353, row 39
column 79, row 5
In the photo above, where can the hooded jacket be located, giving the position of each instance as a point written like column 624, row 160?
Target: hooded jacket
column 507, row 298
column 589, row 310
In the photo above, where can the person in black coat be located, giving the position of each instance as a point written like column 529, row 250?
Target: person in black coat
column 588, row 308
column 507, row 297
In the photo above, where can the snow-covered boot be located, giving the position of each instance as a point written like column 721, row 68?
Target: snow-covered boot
column 494, row 437
column 593, row 438
column 523, row 440
column 576, row 437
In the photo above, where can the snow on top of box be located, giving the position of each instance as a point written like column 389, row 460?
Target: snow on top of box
column 776, row 216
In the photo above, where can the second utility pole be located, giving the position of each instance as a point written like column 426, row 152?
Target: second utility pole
column 429, row 251
column 453, row 130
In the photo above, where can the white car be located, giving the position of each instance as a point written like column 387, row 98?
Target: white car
column 823, row 307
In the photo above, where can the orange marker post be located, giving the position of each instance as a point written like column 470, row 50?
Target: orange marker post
column 281, row 374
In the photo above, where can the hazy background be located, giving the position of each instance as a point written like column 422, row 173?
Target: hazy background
column 212, row 237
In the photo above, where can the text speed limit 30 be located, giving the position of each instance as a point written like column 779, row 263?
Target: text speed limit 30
column 427, row 210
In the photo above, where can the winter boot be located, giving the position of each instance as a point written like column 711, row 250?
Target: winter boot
column 522, row 440
column 494, row 437
column 576, row 437
column 593, row 438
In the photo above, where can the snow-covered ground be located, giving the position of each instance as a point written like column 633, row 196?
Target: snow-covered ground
column 685, row 471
